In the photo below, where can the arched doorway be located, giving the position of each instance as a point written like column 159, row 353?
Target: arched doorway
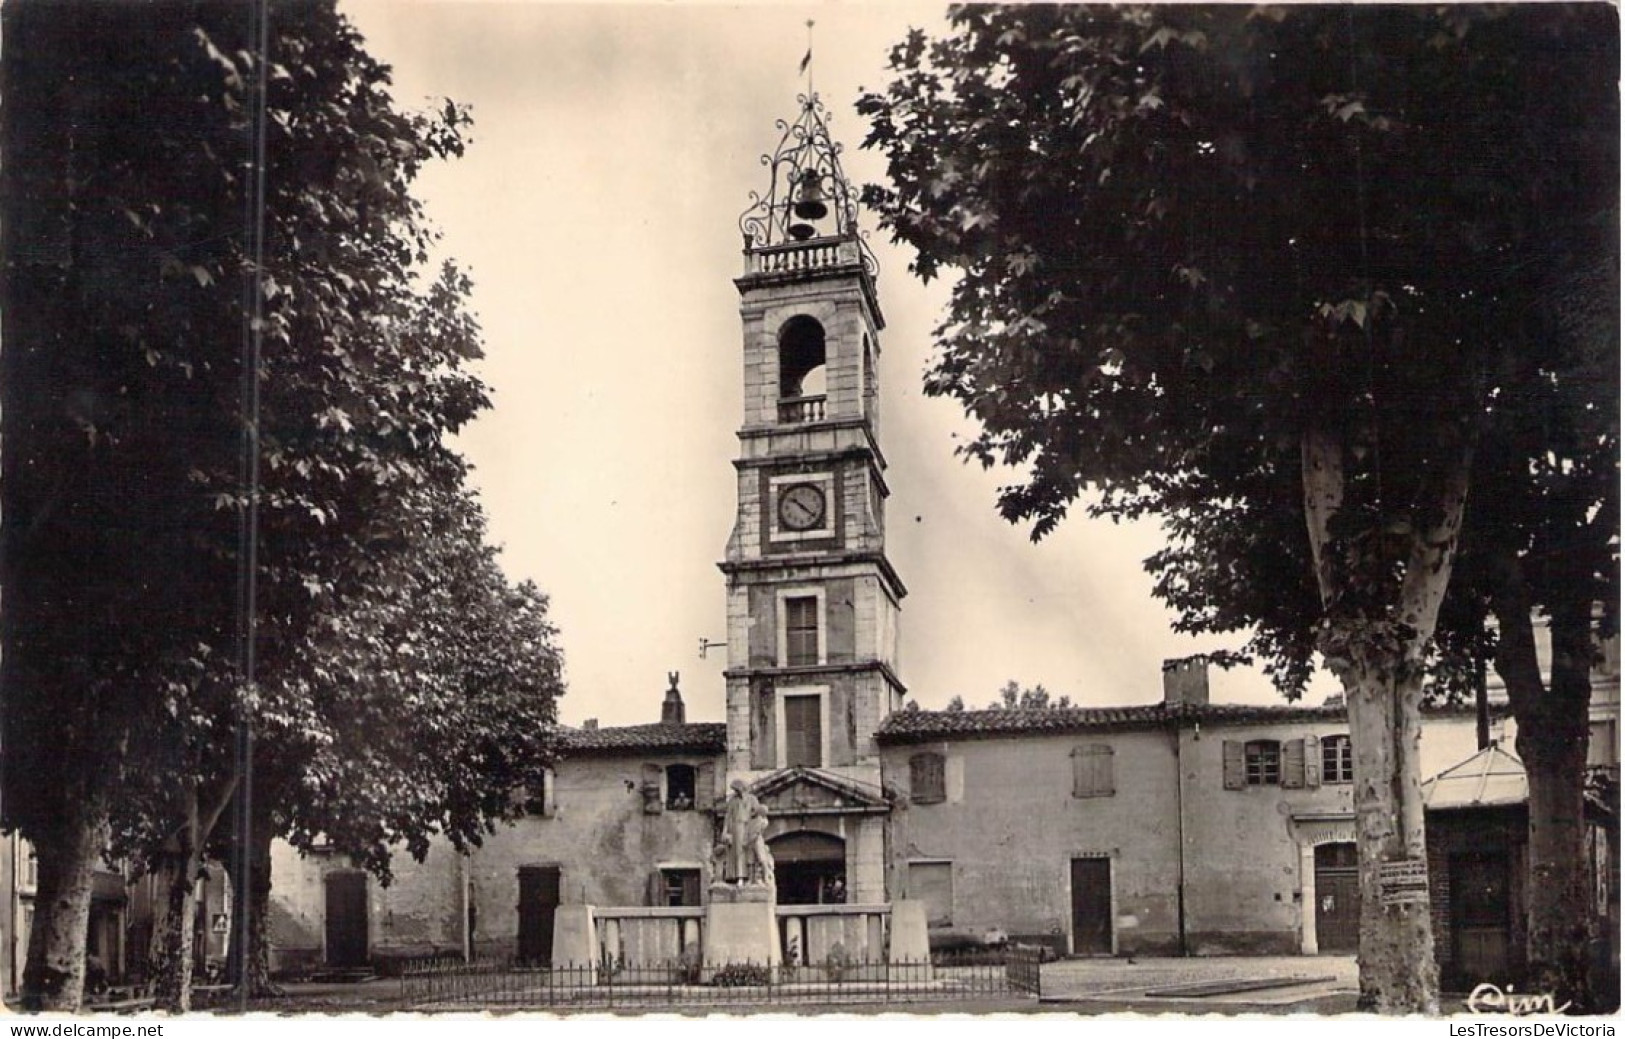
column 809, row 867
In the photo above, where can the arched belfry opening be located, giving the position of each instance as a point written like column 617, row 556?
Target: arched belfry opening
column 801, row 370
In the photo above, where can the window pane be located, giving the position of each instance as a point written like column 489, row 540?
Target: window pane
column 801, row 631
column 1336, row 760
column 1263, row 763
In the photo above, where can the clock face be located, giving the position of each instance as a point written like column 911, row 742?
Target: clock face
column 801, row 507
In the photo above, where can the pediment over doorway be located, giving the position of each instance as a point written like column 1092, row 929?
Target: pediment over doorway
column 807, row 791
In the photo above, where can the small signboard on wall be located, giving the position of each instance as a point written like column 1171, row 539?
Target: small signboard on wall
column 1403, row 882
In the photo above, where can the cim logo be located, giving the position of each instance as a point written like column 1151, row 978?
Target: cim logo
column 1490, row 999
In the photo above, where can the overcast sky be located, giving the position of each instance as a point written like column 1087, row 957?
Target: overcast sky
column 614, row 146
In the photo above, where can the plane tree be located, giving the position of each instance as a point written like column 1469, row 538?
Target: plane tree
column 129, row 279
column 1270, row 276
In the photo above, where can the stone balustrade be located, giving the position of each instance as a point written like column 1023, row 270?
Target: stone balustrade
column 799, row 257
column 648, row 934
column 810, row 934
column 793, row 410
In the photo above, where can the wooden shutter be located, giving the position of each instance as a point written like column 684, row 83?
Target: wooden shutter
column 705, row 785
column 803, row 732
column 1235, row 765
column 1311, row 761
column 925, row 779
column 933, row 884
column 1292, row 764
column 652, row 774
column 1092, row 773
column 657, row 888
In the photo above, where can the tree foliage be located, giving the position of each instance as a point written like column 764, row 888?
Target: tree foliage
column 1183, row 235
column 1013, row 697
column 1286, row 279
column 403, row 685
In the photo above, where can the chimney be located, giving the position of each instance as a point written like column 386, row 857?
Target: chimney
column 671, row 710
column 590, row 725
column 1185, row 680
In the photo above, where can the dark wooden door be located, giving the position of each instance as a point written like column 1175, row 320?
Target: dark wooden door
column 1337, row 898
column 346, row 923
column 1481, row 915
column 1092, row 907
column 538, row 900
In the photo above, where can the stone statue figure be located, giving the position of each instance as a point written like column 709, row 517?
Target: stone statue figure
column 743, row 849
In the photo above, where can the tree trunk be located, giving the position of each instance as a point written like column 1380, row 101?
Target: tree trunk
column 1398, row 970
column 174, row 927
column 1379, row 653
column 1553, row 738
column 258, row 959
column 173, row 931
column 54, row 974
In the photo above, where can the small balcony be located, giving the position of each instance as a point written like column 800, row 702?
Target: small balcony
column 796, row 410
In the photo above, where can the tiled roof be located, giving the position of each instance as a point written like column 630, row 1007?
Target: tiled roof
column 926, row 726
column 919, row 726
column 665, row 738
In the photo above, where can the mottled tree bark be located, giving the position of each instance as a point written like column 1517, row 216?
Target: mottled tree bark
column 1379, row 656
column 174, row 924
column 54, row 975
column 259, row 908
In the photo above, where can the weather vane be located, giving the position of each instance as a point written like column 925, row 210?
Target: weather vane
column 806, row 60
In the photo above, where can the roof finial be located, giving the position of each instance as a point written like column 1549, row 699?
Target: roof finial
column 806, row 60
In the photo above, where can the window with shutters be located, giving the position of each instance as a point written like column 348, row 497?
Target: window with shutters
column 801, row 630
column 803, row 731
column 926, row 780
column 1092, row 771
column 1336, row 760
column 1263, row 762
column 680, row 887
column 680, row 787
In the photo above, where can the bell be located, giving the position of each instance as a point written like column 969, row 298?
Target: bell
column 802, row 232
column 810, row 197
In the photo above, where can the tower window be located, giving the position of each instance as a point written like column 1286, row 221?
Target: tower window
column 801, row 371
column 803, row 731
column 801, row 631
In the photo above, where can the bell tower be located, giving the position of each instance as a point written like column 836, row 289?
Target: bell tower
column 812, row 599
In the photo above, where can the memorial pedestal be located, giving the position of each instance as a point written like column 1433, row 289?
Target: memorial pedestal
column 741, row 927
column 575, row 938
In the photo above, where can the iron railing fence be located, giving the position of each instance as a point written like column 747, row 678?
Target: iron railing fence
column 441, row 984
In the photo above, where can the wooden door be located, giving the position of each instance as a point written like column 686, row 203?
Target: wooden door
column 1337, row 898
column 538, row 901
column 1092, row 907
column 1481, row 915
column 346, row 923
